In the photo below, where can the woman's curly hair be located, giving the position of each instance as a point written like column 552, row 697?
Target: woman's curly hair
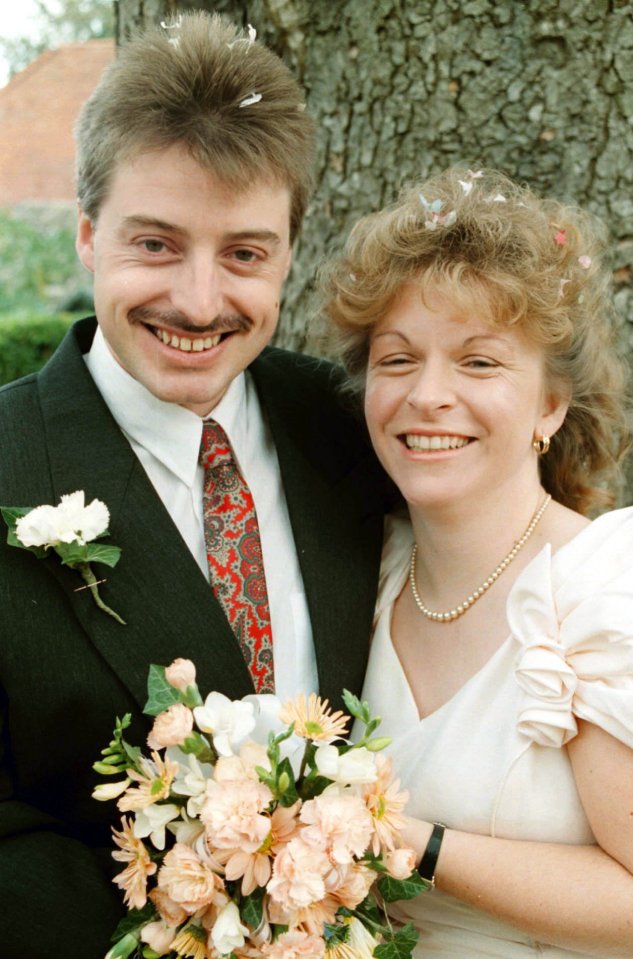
column 483, row 241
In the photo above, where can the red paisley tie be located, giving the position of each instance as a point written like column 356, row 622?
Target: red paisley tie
column 234, row 554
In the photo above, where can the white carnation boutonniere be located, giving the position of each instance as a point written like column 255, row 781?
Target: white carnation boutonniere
column 70, row 530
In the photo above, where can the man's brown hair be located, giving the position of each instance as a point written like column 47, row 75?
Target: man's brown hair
column 205, row 84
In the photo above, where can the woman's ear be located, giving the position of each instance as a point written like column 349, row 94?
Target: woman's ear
column 554, row 410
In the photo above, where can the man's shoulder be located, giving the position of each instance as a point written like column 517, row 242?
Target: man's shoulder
column 305, row 379
column 303, row 364
column 17, row 397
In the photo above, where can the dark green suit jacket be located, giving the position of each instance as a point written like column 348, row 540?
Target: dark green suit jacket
column 67, row 669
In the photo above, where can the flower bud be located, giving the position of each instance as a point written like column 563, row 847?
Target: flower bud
column 228, row 932
column 106, row 791
column 375, row 745
column 180, row 674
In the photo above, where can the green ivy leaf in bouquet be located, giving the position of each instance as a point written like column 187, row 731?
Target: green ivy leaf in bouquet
column 160, row 694
column 252, row 909
column 395, row 890
column 400, row 945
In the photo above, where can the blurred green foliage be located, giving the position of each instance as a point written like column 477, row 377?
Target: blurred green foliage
column 27, row 341
column 39, row 269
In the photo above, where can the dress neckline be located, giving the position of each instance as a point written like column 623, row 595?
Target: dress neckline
column 400, row 580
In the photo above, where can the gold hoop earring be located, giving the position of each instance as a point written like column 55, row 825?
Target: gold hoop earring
column 541, row 445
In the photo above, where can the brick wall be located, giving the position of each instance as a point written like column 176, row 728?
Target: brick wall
column 38, row 108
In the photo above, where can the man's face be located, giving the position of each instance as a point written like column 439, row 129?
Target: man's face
column 187, row 274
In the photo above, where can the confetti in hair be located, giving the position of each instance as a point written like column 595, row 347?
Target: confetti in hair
column 250, row 99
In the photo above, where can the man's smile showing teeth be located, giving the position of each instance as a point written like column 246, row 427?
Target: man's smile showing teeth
column 185, row 343
column 417, row 442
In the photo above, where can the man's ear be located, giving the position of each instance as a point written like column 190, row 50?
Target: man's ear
column 84, row 244
column 288, row 264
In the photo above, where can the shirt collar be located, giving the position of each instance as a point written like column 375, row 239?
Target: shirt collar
column 171, row 433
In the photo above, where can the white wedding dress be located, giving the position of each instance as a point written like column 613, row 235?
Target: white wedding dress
column 490, row 760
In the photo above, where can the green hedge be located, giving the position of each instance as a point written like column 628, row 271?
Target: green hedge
column 27, row 340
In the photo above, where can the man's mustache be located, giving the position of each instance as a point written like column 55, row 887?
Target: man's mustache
column 175, row 320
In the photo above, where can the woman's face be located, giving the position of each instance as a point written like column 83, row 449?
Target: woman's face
column 453, row 404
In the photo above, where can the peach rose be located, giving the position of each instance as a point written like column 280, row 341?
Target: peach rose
column 181, row 674
column 235, row 814
column 400, row 863
column 298, row 878
column 295, row 944
column 172, row 912
column 171, row 727
column 187, row 879
column 341, row 825
column 158, row 936
column 354, row 883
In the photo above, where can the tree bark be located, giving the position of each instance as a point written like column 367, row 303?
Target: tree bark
column 541, row 89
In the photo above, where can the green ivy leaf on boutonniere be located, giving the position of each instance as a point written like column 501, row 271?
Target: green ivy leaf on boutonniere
column 69, row 529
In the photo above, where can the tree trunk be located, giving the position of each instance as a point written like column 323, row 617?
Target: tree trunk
column 541, row 89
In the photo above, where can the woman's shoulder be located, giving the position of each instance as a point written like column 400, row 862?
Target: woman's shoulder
column 571, row 613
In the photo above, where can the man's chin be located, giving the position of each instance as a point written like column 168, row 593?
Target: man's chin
column 200, row 401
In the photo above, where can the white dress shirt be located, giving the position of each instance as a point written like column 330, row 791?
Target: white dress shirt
column 166, row 438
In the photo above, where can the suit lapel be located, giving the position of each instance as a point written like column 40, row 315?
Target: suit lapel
column 336, row 515
column 157, row 586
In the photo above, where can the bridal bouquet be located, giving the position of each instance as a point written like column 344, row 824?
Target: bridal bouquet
column 253, row 829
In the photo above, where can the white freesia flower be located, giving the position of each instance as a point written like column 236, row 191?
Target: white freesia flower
column 152, row 820
column 354, row 766
column 187, row 831
column 71, row 521
column 191, row 780
column 266, row 709
column 228, row 721
column 228, row 932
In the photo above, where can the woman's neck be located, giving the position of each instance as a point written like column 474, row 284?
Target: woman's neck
column 459, row 546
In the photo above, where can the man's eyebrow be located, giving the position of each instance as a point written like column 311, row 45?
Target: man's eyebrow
column 137, row 221
column 149, row 222
column 261, row 236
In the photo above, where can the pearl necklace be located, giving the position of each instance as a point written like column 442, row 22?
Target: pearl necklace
column 487, row 583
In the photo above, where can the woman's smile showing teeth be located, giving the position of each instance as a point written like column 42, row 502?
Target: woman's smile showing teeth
column 187, row 344
column 416, row 441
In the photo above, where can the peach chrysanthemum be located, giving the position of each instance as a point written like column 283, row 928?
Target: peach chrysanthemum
column 134, row 877
column 313, row 718
column 385, row 803
column 153, row 784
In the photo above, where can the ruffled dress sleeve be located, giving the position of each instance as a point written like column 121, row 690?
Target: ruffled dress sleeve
column 571, row 615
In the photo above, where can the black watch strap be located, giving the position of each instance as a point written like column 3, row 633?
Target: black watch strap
column 428, row 862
